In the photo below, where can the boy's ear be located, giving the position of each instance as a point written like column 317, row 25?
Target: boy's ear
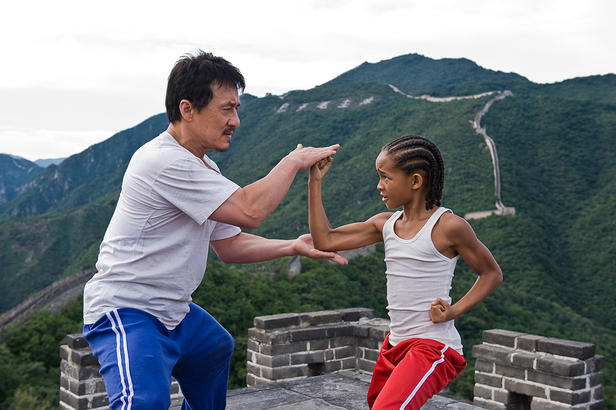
column 416, row 180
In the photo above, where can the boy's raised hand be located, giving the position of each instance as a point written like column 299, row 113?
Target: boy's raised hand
column 318, row 170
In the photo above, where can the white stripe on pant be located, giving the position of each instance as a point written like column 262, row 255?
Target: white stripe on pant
column 423, row 379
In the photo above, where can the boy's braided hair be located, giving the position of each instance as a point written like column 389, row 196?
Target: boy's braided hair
column 412, row 153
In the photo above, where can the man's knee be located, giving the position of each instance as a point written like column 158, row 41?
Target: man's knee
column 151, row 399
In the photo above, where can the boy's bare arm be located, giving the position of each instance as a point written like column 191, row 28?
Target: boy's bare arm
column 350, row 236
column 464, row 241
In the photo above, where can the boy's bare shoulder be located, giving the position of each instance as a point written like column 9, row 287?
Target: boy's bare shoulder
column 379, row 220
column 452, row 224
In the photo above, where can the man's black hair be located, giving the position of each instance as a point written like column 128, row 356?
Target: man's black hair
column 192, row 78
column 412, row 153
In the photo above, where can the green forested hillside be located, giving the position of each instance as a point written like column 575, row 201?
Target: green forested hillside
column 556, row 148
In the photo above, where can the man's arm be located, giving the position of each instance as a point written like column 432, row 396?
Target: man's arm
column 247, row 248
column 479, row 258
column 249, row 206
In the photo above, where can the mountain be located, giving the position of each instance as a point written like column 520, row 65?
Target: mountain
column 557, row 168
column 417, row 75
column 15, row 174
column 45, row 162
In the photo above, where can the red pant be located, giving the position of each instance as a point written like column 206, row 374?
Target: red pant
column 408, row 374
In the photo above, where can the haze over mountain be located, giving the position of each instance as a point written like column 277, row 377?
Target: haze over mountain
column 555, row 144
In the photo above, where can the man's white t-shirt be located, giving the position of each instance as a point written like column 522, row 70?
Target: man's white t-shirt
column 154, row 252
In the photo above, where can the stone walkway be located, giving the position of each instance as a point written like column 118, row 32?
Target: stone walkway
column 334, row 391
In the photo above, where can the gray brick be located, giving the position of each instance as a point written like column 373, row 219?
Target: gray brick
column 320, row 318
column 253, row 345
column 502, row 396
column 272, row 361
column 598, row 393
column 88, row 386
column 340, row 331
column 332, row 366
column 484, row 366
column 495, row 354
column 348, row 363
column 489, row 379
column 281, row 373
column 354, row 314
column 308, row 334
column 560, row 367
column 501, row 337
column 76, row 341
column 595, row 379
column 282, row 348
column 529, row 342
column 596, row 405
column 344, row 352
column 569, row 397
column 569, row 348
column 370, row 354
column 308, row 358
column 571, row 383
column 365, row 365
column 523, row 360
column 509, row 371
column 595, row 363
column 378, row 333
column 318, row 344
column 540, row 404
column 483, row 391
column 65, row 352
column 84, row 357
column 279, row 321
column 488, row 404
column 528, row 389
column 343, row 341
column 271, row 337
column 252, row 368
column 361, row 331
column 369, row 343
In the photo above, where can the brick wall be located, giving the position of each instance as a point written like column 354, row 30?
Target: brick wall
column 518, row 370
column 295, row 345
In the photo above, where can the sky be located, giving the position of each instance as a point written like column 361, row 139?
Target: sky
column 73, row 73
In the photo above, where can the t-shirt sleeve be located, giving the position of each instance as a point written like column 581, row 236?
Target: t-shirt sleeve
column 194, row 188
column 223, row 231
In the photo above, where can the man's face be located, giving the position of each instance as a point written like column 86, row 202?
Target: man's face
column 215, row 123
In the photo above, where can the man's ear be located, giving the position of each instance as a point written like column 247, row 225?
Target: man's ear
column 186, row 110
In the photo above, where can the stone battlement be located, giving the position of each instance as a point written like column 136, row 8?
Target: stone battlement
column 512, row 369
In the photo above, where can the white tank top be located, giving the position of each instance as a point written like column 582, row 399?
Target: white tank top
column 417, row 274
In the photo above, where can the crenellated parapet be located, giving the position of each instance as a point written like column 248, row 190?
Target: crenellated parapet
column 295, row 345
column 519, row 370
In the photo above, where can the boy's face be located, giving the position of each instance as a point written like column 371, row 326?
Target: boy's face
column 394, row 184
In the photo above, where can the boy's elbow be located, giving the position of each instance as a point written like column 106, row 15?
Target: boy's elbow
column 498, row 277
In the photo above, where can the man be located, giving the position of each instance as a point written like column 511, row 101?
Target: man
column 138, row 315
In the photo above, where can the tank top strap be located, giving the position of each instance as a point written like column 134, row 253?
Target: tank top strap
column 434, row 219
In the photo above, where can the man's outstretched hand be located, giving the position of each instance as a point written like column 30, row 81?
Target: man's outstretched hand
column 305, row 157
column 304, row 246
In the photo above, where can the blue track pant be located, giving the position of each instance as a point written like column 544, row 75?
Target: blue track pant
column 139, row 355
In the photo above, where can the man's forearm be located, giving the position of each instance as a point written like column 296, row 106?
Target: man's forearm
column 247, row 248
column 266, row 193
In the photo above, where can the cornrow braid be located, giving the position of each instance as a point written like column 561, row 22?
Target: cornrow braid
column 413, row 153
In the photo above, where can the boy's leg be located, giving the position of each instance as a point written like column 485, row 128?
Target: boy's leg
column 382, row 370
column 203, row 369
column 426, row 369
column 135, row 358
